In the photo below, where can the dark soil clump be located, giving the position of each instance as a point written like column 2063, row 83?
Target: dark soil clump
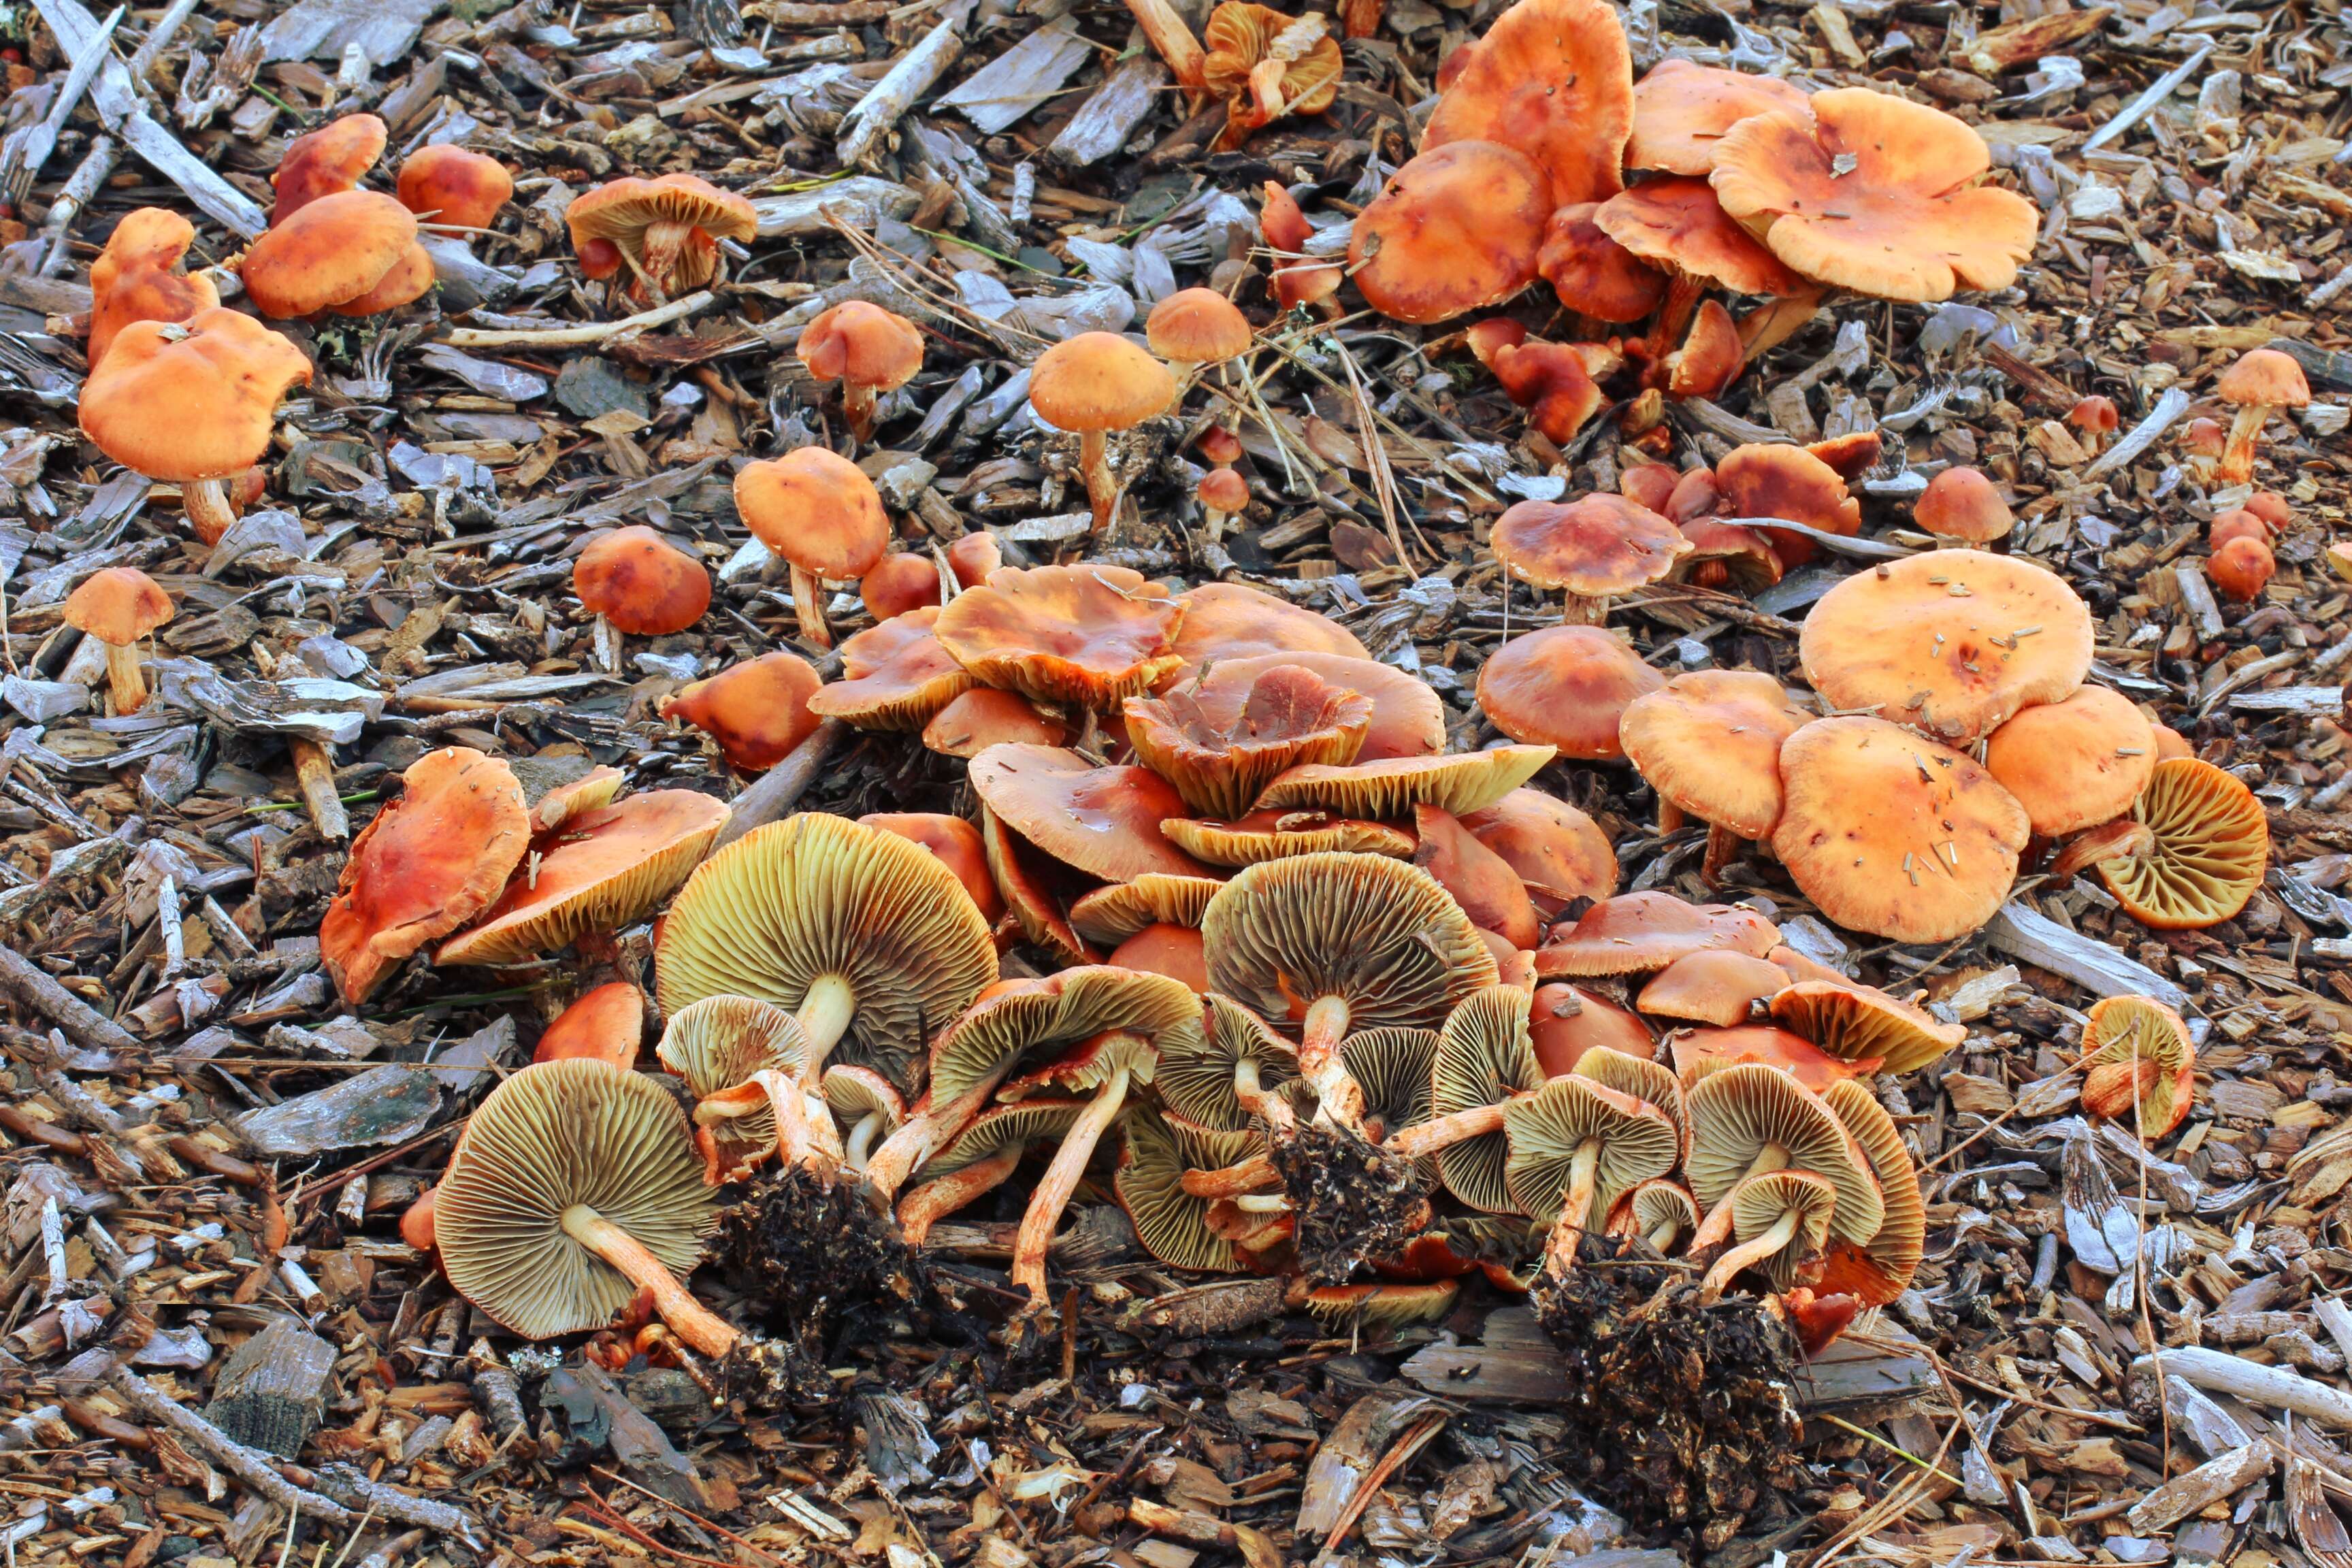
column 805, row 1252
column 1354, row 1200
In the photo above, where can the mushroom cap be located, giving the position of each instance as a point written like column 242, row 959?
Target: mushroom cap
column 896, row 675
column 1171, row 1224
column 1197, row 326
column 1003, row 1126
column 2141, row 1062
column 406, row 280
column 1035, row 1022
column 334, row 249
column 1221, row 744
column 118, row 606
column 1699, row 1052
column 1880, row 1270
column 1592, row 274
column 607, row 1023
column 1773, row 480
column 816, row 895
column 817, row 510
column 716, row 1045
column 1034, row 887
column 756, row 712
column 193, row 402
column 1457, row 228
column 1716, row 985
column 853, row 1093
column 2241, row 568
column 1565, row 687
column 1555, row 383
column 137, row 277
column 1233, row 620
column 1103, row 821
column 1711, row 357
column 326, row 162
column 2209, row 843
column 446, row 184
column 1380, row 792
column 1408, row 718
column 1484, row 1057
column 958, row 844
column 1660, row 1201
column 429, row 861
column 1962, row 503
column 1594, row 548
column 1741, row 1113
column 554, row 802
column 1558, row 853
column 1876, row 194
column 1682, row 110
column 2074, row 763
column 1223, row 489
column 2272, row 507
column 1174, row 950
column 1762, row 1202
column 601, row 870
column 1955, row 642
column 557, row 1136
column 1639, row 933
column 1709, row 741
column 1196, row 1073
column 1376, row 933
column 1861, row 1023
column 2239, row 522
column 1893, row 834
column 669, row 227
column 1851, row 455
column 1276, row 835
column 2265, row 378
column 1568, row 1023
column 639, row 582
column 1553, row 79
column 1117, row 910
column 1218, row 445
column 1481, row 881
column 985, row 717
column 1098, row 381
column 859, row 343
column 1637, row 1143
column 1677, row 224
column 1630, row 1073
column 1086, row 635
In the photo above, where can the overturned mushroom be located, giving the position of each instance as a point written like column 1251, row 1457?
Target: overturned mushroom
column 2141, row 1064
column 2190, row 854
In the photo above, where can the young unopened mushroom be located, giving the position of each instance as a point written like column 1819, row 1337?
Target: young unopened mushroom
column 2140, row 1063
column 137, row 277
column 973, row 557
column 2241, row 568
column 820, row 512
column 666, row 231
column 2263, row 380
column 1962, row 503
column 447, row 186
column 326, row 162
column 575, row 1187
column 1459, row 227
column 1565, row 687
column 1193, row 328
column 1590, row 550
column 1557, row 383
column 866, row 348
column 902, row 581
column 2190, row 855
column 638, row 585
column 1297, row 281
column 1223, row 493
column 1094, row 383
column 2094, row 418
column 2238, row 523
column 605, row 1024
column 756, row 712
column 1781, row 1218
column 2203, row 437
column 119, row 606
column 354, row 253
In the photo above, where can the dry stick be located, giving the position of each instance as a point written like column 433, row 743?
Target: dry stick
column 594, row 332
column 1383, row 476
column 1396, row 1459
column 314, row 770
column 247, row 1465
column 782, row 786
column 81, row 1023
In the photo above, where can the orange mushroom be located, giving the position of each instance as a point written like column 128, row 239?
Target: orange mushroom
column 1086, row 635
column 866, row 348
column 1565, row 687
column 1962, row 503
column 1789, row 483
column 820, row 512
column 1196, row 327
column 1558, row 853
column 1553, row 80
column 1457, row 228
column 1094, row 383
column 1233, row 620
column 119, row 605
column 323, row 162
column 902, row 580
column 1591, row 273
column 2075, row 764
column 2241, row 568
column 985, row 717
column 606, row 1025
column 2094, row 418
column 1641, row 933
column 636, row 580
column 1266, row 65
column 756, row 712
column 973, row 557
column 1555, row 383
column 1221, row 744
column 1408, row 719
column 1676, row 225
column 2272, row 507
column 1682, row 110
column 352, row 252
column 1297, row 281
column 447, row 186
column 1709, row 742
column 1223, row 493
column 2239, row 522
column 137, row 277
column 894, row 676
column 957, row 844
column 1592, row 549
column 1565, row 1021
column 1711, row 357
column 2261, row 380
column 1481, row 882
column 665, row 231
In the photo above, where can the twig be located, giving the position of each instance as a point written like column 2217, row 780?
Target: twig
column 782, row 785
column 2166, row 413
column 2137, row 110
column 83, row 1023
column 594, row 332
column 1396, row 1459
column 1898, row 1451
column 247, row 1465
column 913, row 75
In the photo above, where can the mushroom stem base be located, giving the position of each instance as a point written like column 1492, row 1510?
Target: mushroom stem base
column 936, row 1199
column 1060, row 1180
column 688, row 1319
column 1723, row 847
column 808, row 602
column 857, row 408
column 125, row 678
column 1749, row 1253
column 209, row 510
column 2237, row 466
column 1340, row 1098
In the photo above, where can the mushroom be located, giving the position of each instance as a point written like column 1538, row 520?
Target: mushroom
column 1952, row 641
column 1220, row 745
column 1484, row 1060
column 1651, row 1082
column 2203, row 437
column 2138, row 1062
column 1223, row 493
column 1879, row 1270
column 865, row 1105
column 1341, row 943
column 1266, row 66
column 822, row 515
column 722, row 1043
column 1718, row 985
column 1171, row 1224
column 1851, row 455
column 2238, row 523
column 985, row 717
column 1576, row 1147
column 1481, row 881
column 1383, row 791
column 1748, row 1120
column 606, row 1025
column 1697, row 1053
column 870, row 940
column 1557, row 383
column 1962, row 503
column 1195, row 328
column 354, row 253
column 1592, row 274
column 431, row 860
column 119, row 605
column 191, row 404
column 666, row 231
column 576, row 1187
column 1092, row 384
column 326, row 162
column 1219, row 446
column 1709, row 742
column 1101, row 821
column 1592, row 549
column 137, row 277
column 1277, row 834
column 1893, row 834
column 1861, row 1023
column 1876, row 194
column 755, row 712
column 1677, row 225
column 2261, row 380
column 980, row 1159
column 902, row 580
column 1224, row 1076
column 1781, row 1219
column 2074, row 763
column 2272, row 509
column 1711, row 357
column 1681, row 111
column 1640, row 933
column 1558, row 853
column 956, row 843
column 1457, row 228
column 1087, row 635
column 894, row 676
column 448, row 186
column 866, row 348
column 1565, row 687
column 1660, row 1210
column 1174, row 950
column 1036, row 890
column 1233, row 620
column 1568, row 1024
column 1553, row 79
column 1118, row 910
column 2190, row 854
column 1761, row 481
column 2094, row 418
column 637, row 584
column 2241, row 568
column 1368, row 1309
column 601, row 870
column 1298, row 281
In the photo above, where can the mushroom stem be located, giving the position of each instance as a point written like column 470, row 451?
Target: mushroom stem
column 688, row 1319
column 1444, row 1131
column 935, row 1200
column 808, row 601
column 1578, row 610
column 1722, row 848
column 209, row 510
column 857, row 407
column 1254, row 1174
column 1262, row 1203
column 860, row 1142
column 1772, row 1157
column 1674, row 317
column 1094, row 463
column 1257, row 1100
column 1670, row 817
column 1166, row 30
column 1322, row 1066
column 1576, row 1203
column 1060, row 1180
column 823, row 1016
column 1662, row 1236
column 125, row 678
column 922, row 1134
column 2237, row 463
column 1749, row 1253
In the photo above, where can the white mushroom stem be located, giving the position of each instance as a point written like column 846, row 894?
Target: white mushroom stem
column 1254, row 1174
column 2238, row 452
column 1262, row 1203
column 688, row 1319
column 1575, row 1205
column 1094, row 463
column 923, row 1134
column 1444, row 1131
column 860, row 1142
column 1340, row 1098
column 857, row 407
column 1747, row 1254
column 1061, row 1179
column 1256, row 1100
column 1662, row 1235
column 1770, row 1157
column 935, row 1200
column 209, row 510
column 808, row 601
column 823, row 1016
column 124, row 676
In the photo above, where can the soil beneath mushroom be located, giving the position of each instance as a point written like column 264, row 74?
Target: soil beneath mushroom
column 1354, row 1200
column 1682, row 1414
column 807, row 1256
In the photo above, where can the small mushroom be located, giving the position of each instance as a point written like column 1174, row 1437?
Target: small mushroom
column 638, row 585
column 1709, row 742
column 985, row 717
column 1681, row 111
column 1094, row 383
column 2241, row 568
column 1557, row 383
column 756, row 712
column 1481, row 882
column 902, row 580
column 1592, row 549
column 1193, row 328
column 2093, row 418
column 1676, row 225
column 1962, row 503
column 1171, row 1224
column 1565, row 687
column 1118, row 910
column 973, row 557
column 866, row 1107
column 1276, row 835
column 1558, row 853
column 720, row 1044
column 1781, row 1218
column 1660, row 1210
column 1298, row 281
column 326, row 162
column 2261, row 380
column 895, row 677
column 1592, row 274
column 1568, row 1024
column 119, row 605
column 1485, row 1059
column 866, row 348
column 137, row 277
column 1223, row 493
column 2238, row 523
column 1221, row 1078
column 448, row 186
column 822, row 515
column 604, row 1024
column 980, row 1158
column 2190, row 855
column 2140, row 1063
column 1641, row 933
column 666, row 231
column 1697, row 1053
column 1759, row 481
column 1576, row 1147
column 1268, row 66
column 353, row 252
column 1719, row 986
column 1749, row 1119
